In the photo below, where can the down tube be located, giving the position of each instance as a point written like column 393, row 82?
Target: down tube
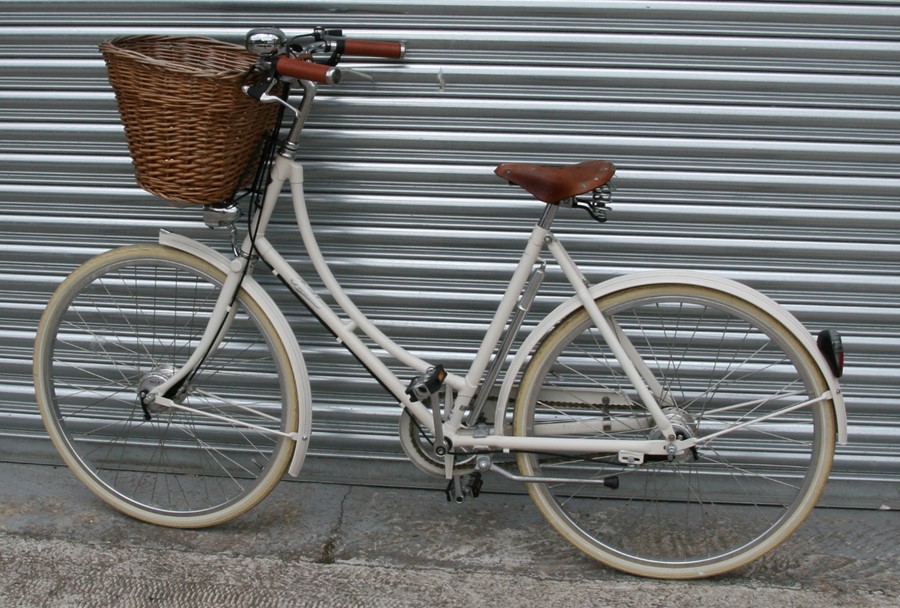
column 344, row 332
column 357, row 318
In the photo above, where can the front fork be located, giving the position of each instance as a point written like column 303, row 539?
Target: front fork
column 172, row 391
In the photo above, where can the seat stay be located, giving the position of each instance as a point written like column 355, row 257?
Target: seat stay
column 623, row 354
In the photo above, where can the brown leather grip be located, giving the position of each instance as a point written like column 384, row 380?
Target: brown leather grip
column 306, row 70
column 374, row 48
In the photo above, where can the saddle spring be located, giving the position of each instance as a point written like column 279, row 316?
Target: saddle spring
column 598, row 204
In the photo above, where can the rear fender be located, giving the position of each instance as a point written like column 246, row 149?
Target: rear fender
column 669, row 277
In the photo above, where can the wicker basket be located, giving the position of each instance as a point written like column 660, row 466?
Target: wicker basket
column 193, row 134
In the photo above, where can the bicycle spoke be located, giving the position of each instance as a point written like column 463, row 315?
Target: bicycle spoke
column 731, row 382
column 128, row 321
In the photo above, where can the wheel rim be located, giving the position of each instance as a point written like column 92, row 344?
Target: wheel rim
column 124, row 325
column 740, row 494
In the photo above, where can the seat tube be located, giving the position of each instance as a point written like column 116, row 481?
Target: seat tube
column 525, row 282
column 507, row 304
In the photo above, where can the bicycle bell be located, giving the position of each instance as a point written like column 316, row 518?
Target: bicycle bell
column 265, row 41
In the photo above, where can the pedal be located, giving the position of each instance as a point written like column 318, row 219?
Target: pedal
column 462, row 487
column 422, row 387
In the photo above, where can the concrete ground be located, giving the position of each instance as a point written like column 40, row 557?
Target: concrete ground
column 315, row 544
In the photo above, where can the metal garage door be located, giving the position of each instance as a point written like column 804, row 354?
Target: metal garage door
column 756, row 140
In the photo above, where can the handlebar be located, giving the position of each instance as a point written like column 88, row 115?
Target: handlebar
column 270, row 42
column 371, row 48
column 310, row 58
column 307, row 70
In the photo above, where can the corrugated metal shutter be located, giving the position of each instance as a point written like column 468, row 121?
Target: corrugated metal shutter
column 756, row 140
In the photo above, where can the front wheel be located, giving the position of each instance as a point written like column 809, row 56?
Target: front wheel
column 122, row 324
column 718, row 365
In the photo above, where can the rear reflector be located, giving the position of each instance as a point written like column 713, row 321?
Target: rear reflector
column 832, row 347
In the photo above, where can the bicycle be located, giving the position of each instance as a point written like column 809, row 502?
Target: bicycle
column 647, row 416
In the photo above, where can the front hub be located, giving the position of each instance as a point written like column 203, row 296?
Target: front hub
column 152, row 379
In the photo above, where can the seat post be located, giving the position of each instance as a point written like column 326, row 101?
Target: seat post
column 548, row 215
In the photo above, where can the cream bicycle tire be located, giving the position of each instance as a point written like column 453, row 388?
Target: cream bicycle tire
column 689, row 518
column 124, row 320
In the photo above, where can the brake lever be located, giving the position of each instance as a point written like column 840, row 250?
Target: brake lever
column 358, row 74
column 317, row 42
column 262, row 92
column 260, row 89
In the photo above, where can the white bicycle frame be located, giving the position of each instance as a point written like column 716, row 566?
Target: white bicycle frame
column 452, row 426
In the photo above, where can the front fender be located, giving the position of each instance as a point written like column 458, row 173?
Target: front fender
column 669, row 277
column 298, row 366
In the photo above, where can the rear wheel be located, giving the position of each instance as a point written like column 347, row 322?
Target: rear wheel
column 123, row 323
column 720, row 365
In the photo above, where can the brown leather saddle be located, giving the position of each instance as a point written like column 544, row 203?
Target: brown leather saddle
column 553, row 184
